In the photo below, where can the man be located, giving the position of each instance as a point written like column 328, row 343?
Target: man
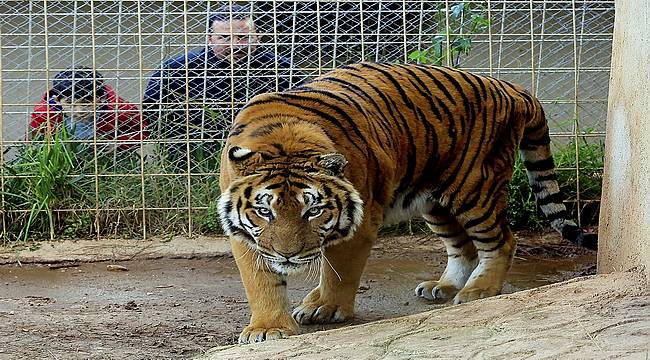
column 88, row 108
column 196, row 94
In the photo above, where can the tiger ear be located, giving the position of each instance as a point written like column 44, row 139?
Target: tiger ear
column 237, row 154
column 241, row 159
column 334, row 163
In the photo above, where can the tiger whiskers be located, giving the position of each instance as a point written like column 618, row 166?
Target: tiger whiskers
column 330, row 264
column 258, row 264
column 313, row 268
column 248, row 248
column 317, row 266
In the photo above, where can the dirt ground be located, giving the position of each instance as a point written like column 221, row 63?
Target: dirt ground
column 178, row 308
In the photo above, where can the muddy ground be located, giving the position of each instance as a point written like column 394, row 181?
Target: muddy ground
column 178, row 308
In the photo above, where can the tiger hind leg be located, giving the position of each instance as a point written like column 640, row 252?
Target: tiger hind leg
column 495, row 245
column 461, row 258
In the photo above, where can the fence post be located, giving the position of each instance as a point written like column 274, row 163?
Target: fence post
column 624, row 234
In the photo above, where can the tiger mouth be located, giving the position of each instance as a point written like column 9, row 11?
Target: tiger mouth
column 290, row 265
column 287, row 266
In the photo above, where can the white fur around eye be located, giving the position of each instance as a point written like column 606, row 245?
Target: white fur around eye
column 309, row 196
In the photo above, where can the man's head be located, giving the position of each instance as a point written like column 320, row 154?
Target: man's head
column 79, row 92
column 232, row 33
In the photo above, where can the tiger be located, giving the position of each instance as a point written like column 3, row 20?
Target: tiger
column 309, row 175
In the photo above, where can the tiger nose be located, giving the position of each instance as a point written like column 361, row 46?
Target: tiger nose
column 288, row 253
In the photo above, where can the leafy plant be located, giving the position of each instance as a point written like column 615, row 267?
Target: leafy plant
column 464, row 21
column 39, row 181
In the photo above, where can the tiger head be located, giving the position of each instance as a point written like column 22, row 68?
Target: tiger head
column 288, row 209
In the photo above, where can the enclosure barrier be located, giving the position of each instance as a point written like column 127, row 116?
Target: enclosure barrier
column 57, row 184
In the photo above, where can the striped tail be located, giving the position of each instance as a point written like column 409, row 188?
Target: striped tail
column 535, row 151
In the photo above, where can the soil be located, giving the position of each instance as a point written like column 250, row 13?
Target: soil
column 179, row 308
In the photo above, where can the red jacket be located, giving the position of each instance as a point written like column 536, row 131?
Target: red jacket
column 126, row 118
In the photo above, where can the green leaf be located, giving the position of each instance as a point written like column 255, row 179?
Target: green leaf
column 457, row 10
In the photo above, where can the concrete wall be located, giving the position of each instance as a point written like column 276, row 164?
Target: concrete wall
column 625, row 211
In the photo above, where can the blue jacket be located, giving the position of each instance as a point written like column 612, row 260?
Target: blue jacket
column 209, row 92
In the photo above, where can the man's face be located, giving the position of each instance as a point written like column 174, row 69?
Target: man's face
column 238, row 33
column 79, row 111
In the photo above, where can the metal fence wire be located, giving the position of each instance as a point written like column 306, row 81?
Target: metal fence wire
column 146, row 163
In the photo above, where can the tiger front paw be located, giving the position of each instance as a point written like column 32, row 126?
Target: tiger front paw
column 255, row 333
column 321, row 313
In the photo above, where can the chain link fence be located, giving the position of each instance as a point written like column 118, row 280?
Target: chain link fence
column 148, row 163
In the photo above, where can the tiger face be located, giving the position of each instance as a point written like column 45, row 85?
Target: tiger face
column 289, row 211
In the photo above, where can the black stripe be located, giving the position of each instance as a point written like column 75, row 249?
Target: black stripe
column 357, row 90
column 497, row 221
column 540, row 165
column 549, row 177
column 555, row 198
column 237, row 129
column 421, row 87
column 327, row 191
column 248, row 191
column 479, row 220
column 344, row 115
column 488, row 239
column 282, row 98
column 451, row 234
column 495, row 188
column 537, row 187
column 467, row 104
column 498, row 245
column 557, row 215
column 531, row 144
column 266, row 129
column 451, row 128
column 299, row 185
column 267, row 156
column 411, row 155
column 228, row 207
column 387, row 104
column 273, row 186
column 469, row 204
column 472, row 114
column 465, row 241
column 280, row 149
column 426, row 71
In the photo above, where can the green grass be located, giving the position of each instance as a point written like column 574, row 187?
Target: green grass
column 50, row 191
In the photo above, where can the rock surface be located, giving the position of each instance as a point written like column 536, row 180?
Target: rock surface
column 595, row 317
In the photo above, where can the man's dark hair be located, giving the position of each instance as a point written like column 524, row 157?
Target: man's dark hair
column 226, row 13
column 78, row 84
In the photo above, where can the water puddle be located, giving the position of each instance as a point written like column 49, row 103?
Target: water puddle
column 526, row 273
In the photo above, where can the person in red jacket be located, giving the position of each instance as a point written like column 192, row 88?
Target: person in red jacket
column 88, row 108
